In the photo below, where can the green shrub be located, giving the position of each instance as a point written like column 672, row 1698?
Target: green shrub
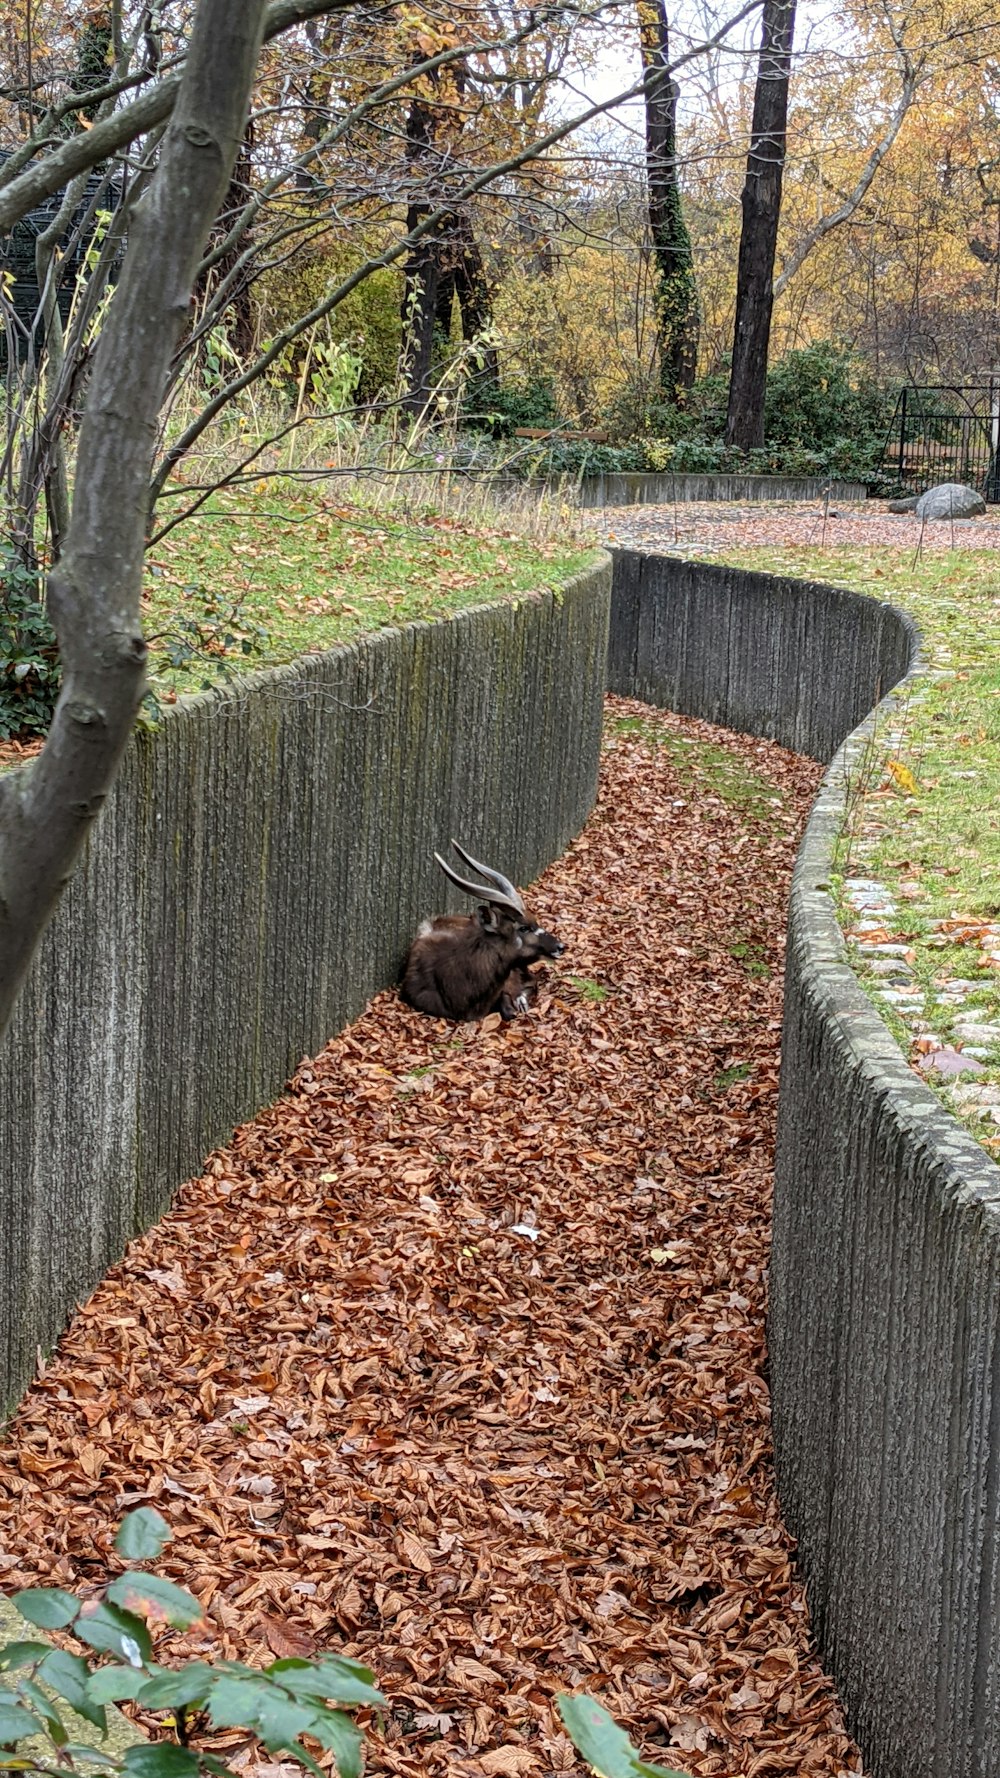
column 702, row 417
column 29, row 653
column 819, row 398
column 692, row 455
column 500, row 410
column 824, row 416
column 707, row 404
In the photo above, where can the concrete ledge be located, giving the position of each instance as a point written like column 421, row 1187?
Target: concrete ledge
column 884, row 1336
column 635, row 488
column 258, row 873
column 884, row 1328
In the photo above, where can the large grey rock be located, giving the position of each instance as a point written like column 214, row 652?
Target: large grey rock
column 950, row 500
column 908, row 503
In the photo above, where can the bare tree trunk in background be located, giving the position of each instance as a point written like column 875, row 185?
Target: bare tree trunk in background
column 443, row 264
column 462, row 274
column 677, row 319
column 420, row 271
column 47, row 807
column 238, row 322
column 758, row 240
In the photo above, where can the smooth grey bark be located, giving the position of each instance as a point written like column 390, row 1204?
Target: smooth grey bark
column 47, row 808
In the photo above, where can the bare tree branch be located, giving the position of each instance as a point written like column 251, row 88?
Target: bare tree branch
column 913, row 77
column 114, row 133
column 47, row 808
column 459, row 195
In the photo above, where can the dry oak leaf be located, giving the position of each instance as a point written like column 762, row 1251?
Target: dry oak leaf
column 416, row 1554
column 690, row 1734
column 350, row 1605
column 284, row 1640
column 511, row 1760
column 467, row 1669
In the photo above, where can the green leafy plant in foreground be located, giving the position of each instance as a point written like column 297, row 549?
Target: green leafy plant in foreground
column 602, row 1744
column 280, row 1704
column 284, row 1705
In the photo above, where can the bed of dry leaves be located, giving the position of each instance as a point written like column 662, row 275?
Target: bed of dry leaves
column 452, row 1361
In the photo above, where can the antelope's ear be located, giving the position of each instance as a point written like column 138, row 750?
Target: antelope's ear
column 488, row 917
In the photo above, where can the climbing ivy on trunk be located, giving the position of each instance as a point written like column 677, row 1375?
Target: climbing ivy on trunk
column 677, row 320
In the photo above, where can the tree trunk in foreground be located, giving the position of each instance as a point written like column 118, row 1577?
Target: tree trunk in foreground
column 677, row 321
column 48, row 807
column 758, row 240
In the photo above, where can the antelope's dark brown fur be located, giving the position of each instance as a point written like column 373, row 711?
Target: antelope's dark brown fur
column 537, row 943
column 458, row 963
column 462, row 966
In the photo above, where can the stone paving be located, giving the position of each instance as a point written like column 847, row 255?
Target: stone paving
column 972, row 1045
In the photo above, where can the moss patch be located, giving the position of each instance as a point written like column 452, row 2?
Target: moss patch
column 702, row 767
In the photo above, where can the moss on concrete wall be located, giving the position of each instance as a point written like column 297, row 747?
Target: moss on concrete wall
column 258, row 874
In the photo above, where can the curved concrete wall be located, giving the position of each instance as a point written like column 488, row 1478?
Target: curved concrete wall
column 884, row 1327
column 793, row 660
column 885, row 1351
column 259, row 871
column 643, row 488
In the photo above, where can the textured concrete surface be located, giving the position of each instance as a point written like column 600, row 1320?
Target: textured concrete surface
column 766, row 655
column 884, row 1330
column 635, row 488
column 884, row 1337
column 260, row 870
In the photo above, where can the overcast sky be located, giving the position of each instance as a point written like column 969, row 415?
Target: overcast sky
column 616, row 66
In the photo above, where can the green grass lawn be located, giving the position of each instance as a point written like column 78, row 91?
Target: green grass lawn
column 279, row 573
column 925, row 810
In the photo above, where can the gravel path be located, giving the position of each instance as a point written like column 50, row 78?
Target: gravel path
column 707, row 527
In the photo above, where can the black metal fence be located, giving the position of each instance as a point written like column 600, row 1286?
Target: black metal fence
column 946, row 433
column 20, row 320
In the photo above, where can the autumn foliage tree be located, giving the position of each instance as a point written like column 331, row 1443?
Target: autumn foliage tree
column 360, row 120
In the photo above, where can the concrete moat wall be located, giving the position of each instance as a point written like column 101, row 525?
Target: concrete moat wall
column 259, row 872
column 884, row 1328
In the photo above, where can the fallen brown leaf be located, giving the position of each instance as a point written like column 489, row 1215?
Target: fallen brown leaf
column 466, row 1382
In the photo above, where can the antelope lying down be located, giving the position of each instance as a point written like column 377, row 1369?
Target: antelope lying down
column 462, row 966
